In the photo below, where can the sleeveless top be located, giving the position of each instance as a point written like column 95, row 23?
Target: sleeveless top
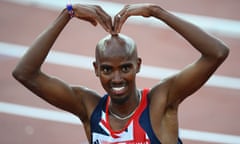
column 138, row 129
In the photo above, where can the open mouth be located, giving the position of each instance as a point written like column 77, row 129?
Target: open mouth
column 118, row 90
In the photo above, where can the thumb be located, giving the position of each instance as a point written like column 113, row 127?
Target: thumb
column 92, row 21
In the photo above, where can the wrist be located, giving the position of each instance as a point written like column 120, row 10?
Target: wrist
column 158, row 12
column 70, row 10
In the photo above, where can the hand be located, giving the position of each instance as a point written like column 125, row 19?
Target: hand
column 145, row 10
column 93, row 14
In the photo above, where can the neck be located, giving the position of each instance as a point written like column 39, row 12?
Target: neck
column 126, row 110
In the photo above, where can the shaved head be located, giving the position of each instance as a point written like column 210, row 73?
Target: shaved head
column 116, row 45
column 116, row 65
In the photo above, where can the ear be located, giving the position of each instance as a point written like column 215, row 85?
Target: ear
column 96, row 70
column 139, row 62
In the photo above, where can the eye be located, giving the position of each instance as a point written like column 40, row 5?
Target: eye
column 126, row 68
column 106, row 69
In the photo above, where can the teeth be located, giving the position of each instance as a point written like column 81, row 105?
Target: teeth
column 118, row 88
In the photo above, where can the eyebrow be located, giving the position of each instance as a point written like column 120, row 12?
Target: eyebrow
column 126, row 64
column 105, row 65
column 121, row 65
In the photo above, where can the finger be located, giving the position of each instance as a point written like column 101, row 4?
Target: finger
column 104, row 20
column 119, row 20
column 92, row 21
column 82, row 12
column 116, row 25
column 105, row 23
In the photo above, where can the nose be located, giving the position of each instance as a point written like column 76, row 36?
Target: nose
column 116, row 77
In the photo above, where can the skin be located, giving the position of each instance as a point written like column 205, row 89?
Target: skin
column 116, row 59
column 117, row 64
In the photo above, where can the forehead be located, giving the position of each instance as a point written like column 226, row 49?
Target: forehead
column 112, row 47
column 116, row 58
column 117, row 51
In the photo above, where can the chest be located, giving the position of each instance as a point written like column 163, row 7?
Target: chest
column 130, row 131
column 137, row 129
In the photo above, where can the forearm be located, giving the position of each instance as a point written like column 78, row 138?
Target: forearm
column 202, row 41
column 35, row 56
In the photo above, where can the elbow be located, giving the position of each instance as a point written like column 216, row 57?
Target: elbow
column 19, row 75
column 223, row 53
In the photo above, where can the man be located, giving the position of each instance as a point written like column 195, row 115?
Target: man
column 125, row 114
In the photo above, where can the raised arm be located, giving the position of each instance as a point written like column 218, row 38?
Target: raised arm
column 28, row 71
column 213, row 52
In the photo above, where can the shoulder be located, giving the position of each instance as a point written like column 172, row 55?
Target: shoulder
column 160, row 90
column 87, row 100
column 163, row 116
column 159, row 101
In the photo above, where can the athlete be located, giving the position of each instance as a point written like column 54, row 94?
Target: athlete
column 125, row 114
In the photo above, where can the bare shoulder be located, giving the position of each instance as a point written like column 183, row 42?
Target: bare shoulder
column 87, row 101
column 158, row 95
column 163, row 115
column 158, row 99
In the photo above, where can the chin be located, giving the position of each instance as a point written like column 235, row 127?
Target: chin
column 119, row 99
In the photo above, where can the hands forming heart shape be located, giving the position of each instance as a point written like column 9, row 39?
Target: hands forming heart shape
column 95, row 14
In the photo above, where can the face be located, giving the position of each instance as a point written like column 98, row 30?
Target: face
column 117, row 66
